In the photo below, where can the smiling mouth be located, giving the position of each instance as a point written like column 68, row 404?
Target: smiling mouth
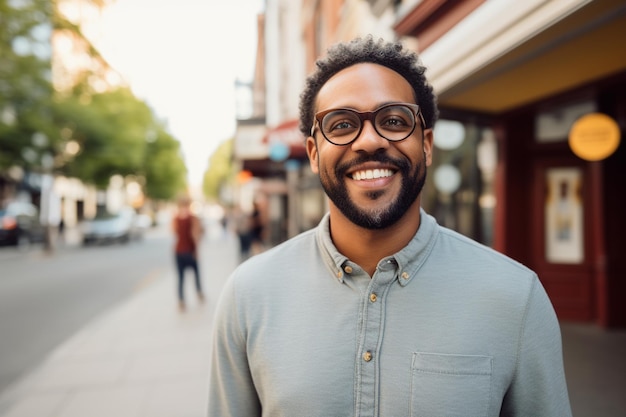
column 371, row 174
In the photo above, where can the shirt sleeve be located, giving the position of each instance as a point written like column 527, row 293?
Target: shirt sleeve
column 538, row 387
column 231, row 388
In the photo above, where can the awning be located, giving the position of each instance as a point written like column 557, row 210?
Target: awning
column 285, row 141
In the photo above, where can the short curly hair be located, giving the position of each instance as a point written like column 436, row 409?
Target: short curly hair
column 392, row 55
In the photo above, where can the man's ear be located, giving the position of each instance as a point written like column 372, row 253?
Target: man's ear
column 427, row 145
column 311, row 151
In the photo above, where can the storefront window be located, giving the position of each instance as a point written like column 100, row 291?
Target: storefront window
column 460, row 190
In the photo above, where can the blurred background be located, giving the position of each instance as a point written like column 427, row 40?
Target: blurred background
column 111, row 109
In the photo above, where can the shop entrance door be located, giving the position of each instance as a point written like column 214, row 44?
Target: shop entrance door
column 562, row 237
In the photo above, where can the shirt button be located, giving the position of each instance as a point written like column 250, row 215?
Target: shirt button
column 348, row 269
column 367, row 356
column 373, row 297
column 405, row 275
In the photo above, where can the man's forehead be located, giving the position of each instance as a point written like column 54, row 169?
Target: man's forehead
column 355, row 85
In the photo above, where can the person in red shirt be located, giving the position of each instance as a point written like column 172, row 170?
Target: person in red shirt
column 188, row 230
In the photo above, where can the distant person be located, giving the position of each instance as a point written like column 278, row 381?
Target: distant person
column 257, row 229
column 243, row 227
column 379, row 311
column 188, row 230
column 61, row 231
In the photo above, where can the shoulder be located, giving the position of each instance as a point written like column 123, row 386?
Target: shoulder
column 294, row 252
column 470, row 269
column 475, row 255
column 267, row 281
column 278, row 267
column 472, row 274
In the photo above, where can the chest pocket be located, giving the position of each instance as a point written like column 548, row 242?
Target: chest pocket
column 444, row 385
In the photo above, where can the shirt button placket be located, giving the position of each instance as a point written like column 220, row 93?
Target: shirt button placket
column 373, row 330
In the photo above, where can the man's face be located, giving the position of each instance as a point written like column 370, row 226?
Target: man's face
column 373, row 182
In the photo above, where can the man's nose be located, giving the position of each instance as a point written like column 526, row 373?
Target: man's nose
column 369, row 140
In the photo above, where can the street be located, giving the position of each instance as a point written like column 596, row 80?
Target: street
column 44, row 299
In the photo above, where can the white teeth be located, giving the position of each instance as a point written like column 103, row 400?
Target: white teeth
column 371, row 174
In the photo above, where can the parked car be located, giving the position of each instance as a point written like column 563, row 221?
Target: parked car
column 19, row 223
column 111, row 227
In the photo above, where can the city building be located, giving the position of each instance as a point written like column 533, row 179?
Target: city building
column 532, row 99
column 545, row 83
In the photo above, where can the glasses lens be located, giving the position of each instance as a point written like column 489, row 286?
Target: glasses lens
column 341, row 126
column 395, row 122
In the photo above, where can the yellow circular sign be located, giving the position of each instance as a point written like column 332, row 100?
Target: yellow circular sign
column 594, row 137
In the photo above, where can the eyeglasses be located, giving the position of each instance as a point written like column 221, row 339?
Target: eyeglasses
column 394, row 122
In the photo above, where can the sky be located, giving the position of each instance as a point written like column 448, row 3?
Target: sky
column 182, row 57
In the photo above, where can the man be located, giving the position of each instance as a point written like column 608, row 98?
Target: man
column 379, row 311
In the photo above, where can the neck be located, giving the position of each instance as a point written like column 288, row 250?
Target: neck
column 366, row 247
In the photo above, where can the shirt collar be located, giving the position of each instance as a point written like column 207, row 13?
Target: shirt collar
column 409, row 259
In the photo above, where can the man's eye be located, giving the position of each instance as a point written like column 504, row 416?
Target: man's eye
column 394, row 122
column 339, row 127
column 343, row 125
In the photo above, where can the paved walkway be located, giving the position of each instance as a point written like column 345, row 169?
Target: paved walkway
column 595, row 366
column 144, row 358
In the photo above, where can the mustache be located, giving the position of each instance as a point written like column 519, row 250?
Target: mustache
column 402, row 164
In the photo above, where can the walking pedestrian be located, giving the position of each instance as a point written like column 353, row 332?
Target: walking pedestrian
column 379, row 311
column 257, row 229
column 243, row 228
column 188, row 230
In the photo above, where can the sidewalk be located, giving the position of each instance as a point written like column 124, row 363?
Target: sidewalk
column 595, row 367
column 144, row 358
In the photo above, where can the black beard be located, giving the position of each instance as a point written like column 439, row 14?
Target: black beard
column 412, row 184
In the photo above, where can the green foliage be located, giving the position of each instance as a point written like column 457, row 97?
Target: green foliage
column 221, row 170
column 119, row 134
column 165, row 170
column 25, row 85
column 113, row 132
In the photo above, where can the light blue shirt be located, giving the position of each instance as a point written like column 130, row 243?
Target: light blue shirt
column 445, row 327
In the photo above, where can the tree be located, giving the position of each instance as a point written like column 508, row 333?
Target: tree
column 29, row 134
column 164, row 169
column 80, row 131
column 27, row 131
column 220, row 171
column 119, row 134
column 110, row 129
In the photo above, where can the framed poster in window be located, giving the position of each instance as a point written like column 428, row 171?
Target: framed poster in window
column 564, row 216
